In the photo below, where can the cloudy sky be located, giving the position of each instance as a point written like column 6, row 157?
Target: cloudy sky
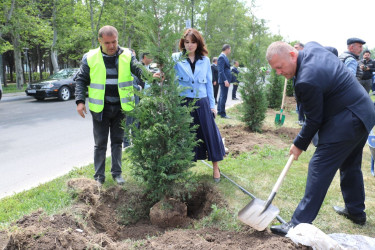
column 320, row 21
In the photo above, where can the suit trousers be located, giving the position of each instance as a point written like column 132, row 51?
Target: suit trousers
column 234, row 91
column 112, row 119
column 216, row 90
column 222, row 100
column 345, row 156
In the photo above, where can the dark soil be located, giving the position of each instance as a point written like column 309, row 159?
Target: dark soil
column 112, row 218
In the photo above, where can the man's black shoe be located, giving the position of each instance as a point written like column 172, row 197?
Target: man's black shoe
column 225, row 117
column 360, row 220
column 235, row 98
column 282, row 229
column 99, row 182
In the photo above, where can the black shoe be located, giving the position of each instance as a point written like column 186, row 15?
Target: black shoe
column 235, row 98
column 226, row 117
column 282, row 229
column 119, row 180
column 360, row 220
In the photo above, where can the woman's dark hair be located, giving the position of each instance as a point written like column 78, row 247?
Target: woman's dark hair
column 195, row 37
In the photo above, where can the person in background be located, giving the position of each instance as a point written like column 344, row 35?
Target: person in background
column 368, row 67
column 146, row 60
column 224, row 79
column 106, row 73
column 193, row 70
column 299, row 46
column 342, row 112
column 215, row 77
column 235, row 81
column 351, row 56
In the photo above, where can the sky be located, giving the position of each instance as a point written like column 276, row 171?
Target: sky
column 322, row 21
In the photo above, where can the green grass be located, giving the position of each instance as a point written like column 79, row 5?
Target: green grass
column 12, row 88
column 256, row 171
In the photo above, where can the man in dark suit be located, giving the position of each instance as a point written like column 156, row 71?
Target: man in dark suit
column 235, row 81
column 224, row 79
column 215, row 77
column 342, row 111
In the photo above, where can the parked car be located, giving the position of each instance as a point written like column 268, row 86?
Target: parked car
column 60, row 85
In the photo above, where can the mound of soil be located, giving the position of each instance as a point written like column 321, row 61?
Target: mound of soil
column 239, row 139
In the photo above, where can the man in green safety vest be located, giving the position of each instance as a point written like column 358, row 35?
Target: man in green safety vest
column 105, row 73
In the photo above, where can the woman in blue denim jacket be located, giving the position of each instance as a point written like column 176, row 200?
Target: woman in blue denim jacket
column 193, row 71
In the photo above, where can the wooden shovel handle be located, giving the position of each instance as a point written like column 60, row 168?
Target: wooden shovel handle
column 283, row 173
column 284, row 94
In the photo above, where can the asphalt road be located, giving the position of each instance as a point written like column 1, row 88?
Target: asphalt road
column 42, row 140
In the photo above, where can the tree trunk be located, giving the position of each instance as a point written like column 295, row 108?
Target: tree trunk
column 4, row 79
column 53, row 49
column 39, row 62
column 18, row 61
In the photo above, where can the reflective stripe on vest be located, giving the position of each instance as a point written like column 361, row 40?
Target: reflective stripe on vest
column 98, row 79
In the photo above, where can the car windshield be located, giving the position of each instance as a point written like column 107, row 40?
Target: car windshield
column 63, row 74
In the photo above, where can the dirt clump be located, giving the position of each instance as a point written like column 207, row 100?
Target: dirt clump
column 169, row 213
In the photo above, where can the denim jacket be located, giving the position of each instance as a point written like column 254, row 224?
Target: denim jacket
column 197, row 85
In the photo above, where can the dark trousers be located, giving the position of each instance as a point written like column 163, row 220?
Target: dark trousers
column 327, row 159
column 111, row 123
column 216, row 90
column 234, row 91
column 222, row 100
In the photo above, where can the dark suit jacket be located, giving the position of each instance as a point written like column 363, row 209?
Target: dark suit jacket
column 215, row 73
column 235, row 73
column 224, row 68
column 330, row 95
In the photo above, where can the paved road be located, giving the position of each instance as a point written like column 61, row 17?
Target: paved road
column 42, row 140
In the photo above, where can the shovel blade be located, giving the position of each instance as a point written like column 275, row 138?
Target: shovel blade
column 279, row 119
column 253, row 215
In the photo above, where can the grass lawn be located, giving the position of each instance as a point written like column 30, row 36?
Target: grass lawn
column 12, row 88
column 257, row 171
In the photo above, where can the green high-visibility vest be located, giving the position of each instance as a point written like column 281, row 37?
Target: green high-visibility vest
column 98, row 78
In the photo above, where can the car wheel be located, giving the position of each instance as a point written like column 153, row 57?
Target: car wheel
column 39, row 98
column 64, row 93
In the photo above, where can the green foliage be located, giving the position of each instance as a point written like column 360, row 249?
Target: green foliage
column 252, row 91
column 163, row 144
column 275, row 90
column 289, row 88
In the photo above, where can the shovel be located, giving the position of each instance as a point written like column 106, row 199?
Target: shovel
column 258, row 214
column 280, row 118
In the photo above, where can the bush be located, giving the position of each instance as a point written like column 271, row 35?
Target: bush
column 289, row 88
column 275, row 90
column 252, row 91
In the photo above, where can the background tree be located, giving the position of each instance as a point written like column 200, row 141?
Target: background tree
column 275, row 90
column 252, row 91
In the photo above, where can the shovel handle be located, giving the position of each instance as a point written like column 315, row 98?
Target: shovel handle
column 283, row 173
column 284, row 94
column 279, row 181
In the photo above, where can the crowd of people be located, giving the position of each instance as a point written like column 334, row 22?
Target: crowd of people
column 334, row 109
